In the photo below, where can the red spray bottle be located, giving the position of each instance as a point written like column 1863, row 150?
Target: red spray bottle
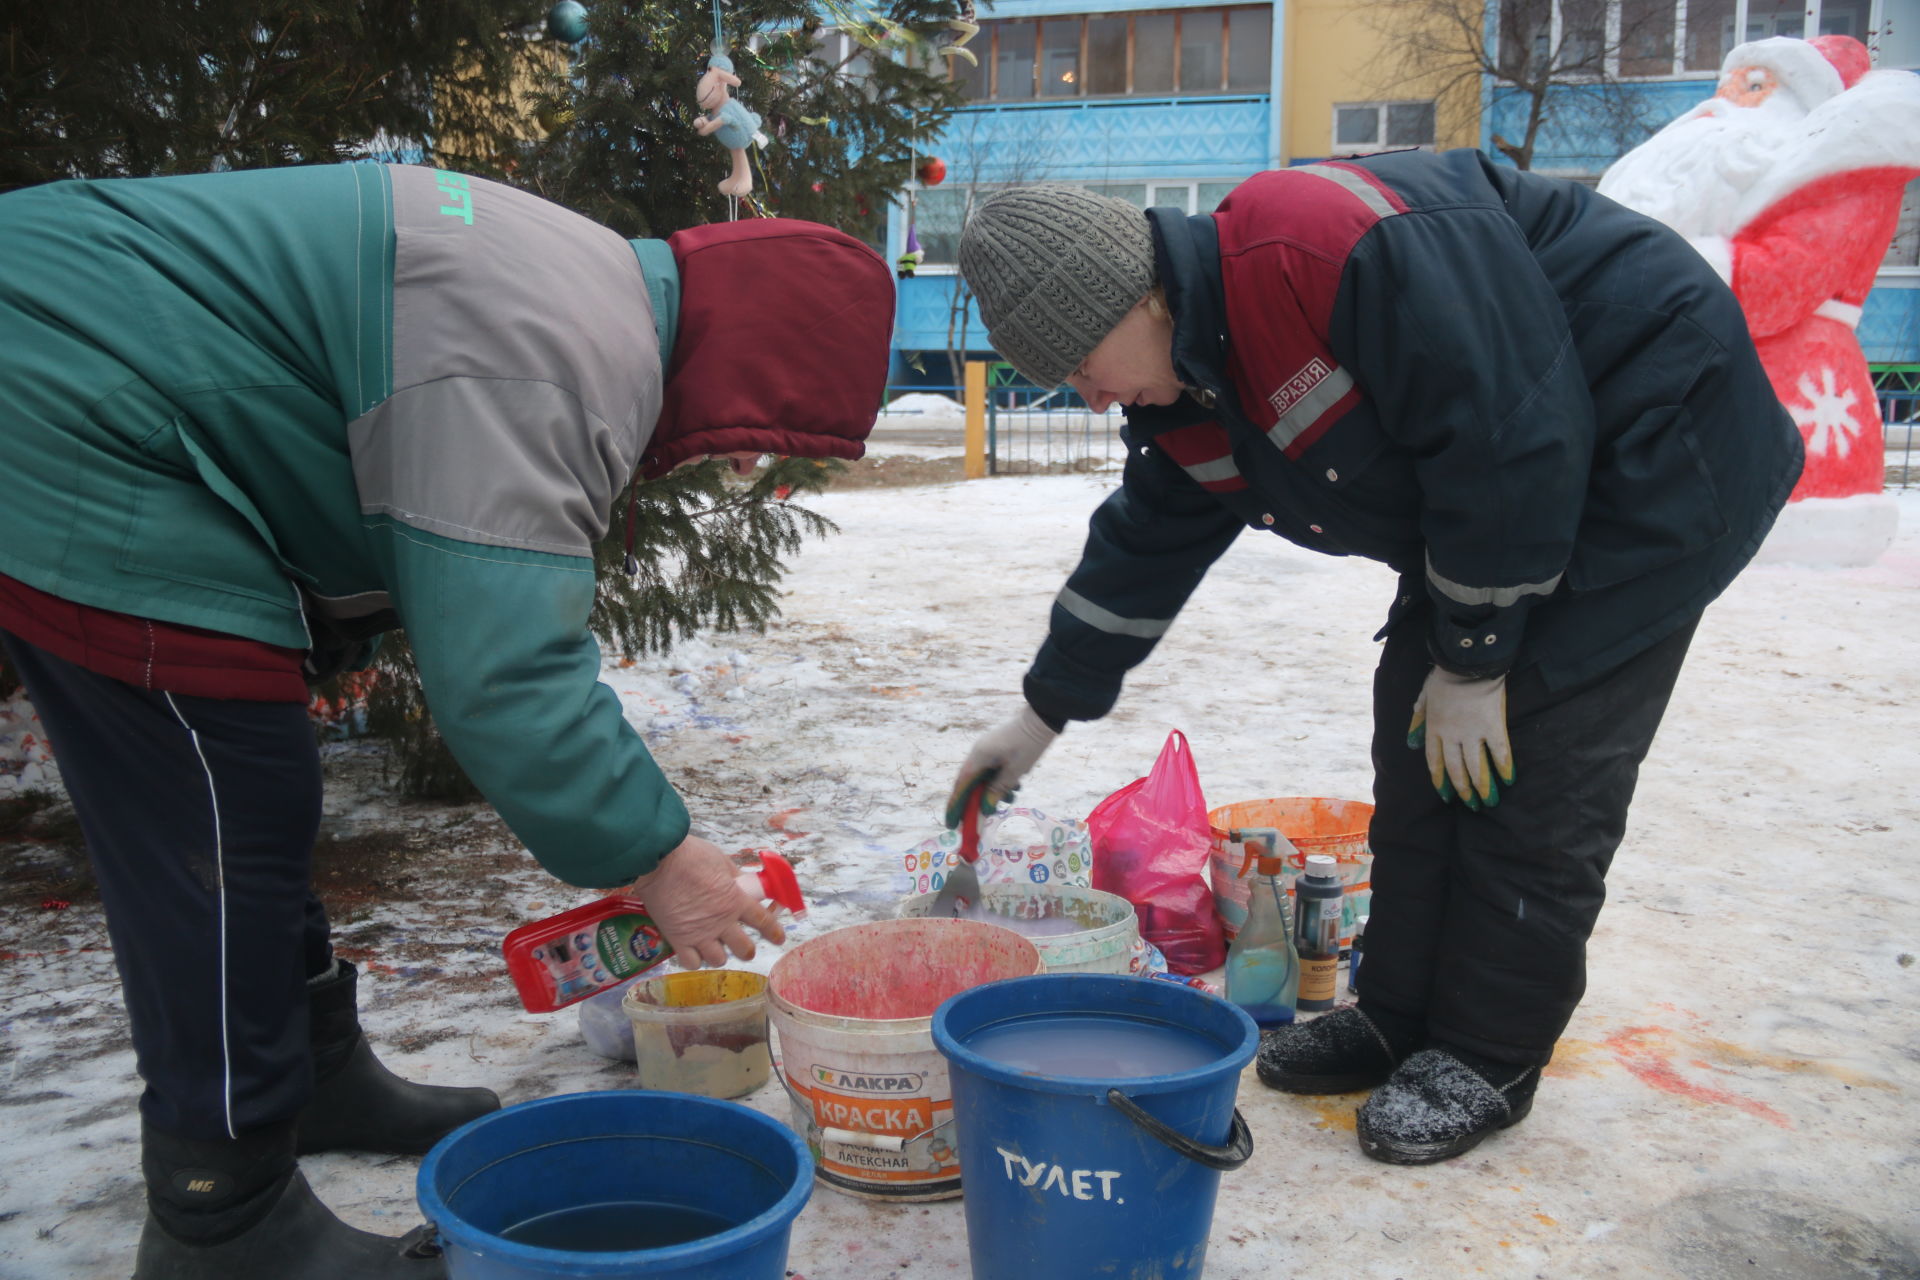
column 566, row 958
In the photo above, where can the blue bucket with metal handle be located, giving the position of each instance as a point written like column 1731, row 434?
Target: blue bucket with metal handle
column 1078, row 1162
column 567, row 1187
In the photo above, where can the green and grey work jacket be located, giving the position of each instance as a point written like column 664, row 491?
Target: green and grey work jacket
column 301, row 404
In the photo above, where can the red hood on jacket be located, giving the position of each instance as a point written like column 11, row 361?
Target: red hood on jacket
column 782, row 343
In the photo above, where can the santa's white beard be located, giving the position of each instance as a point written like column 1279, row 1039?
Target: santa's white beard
column 1692, row 173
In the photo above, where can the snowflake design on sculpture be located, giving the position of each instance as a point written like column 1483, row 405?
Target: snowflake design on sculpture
column 1827, row 417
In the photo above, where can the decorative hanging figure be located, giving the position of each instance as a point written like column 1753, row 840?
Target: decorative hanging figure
column 909, row 262
column 965, row 27
column 727, row 122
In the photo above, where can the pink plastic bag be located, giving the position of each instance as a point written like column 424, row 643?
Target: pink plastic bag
column 1151, row 841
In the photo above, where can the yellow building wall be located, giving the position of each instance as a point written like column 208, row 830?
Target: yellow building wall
column 1334, row 53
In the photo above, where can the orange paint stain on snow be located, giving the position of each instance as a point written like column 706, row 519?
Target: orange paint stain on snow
column 1577, row 1058
column 1647, row 1052
column 1334, row 1112
column 781, row 822
column 364, row 959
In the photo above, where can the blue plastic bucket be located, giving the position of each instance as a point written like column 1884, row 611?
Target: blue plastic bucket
column 1096, row 1175
column 533, row 1167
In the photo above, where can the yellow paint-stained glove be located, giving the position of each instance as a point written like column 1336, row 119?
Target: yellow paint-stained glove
column 1463, row 725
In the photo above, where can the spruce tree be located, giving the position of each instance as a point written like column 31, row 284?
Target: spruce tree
column 847, row 94
column 104, row 89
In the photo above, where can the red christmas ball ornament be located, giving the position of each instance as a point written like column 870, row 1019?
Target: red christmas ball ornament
column 933, row 171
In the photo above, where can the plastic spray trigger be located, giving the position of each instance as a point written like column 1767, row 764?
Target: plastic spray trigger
column 1249, row 837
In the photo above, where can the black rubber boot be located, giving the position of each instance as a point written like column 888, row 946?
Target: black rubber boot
column 359, row 1105
column 1442, row 1102
column 1338, row 1052
column 240, row 1208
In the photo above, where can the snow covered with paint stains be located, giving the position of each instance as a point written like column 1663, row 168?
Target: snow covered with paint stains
column 1741, row 1083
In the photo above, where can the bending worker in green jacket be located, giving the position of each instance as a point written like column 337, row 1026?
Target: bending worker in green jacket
column 255, row 419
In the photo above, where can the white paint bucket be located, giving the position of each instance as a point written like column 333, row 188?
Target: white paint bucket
column 853, row 1010
column 1105, row 944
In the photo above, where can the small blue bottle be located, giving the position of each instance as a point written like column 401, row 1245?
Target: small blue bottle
column 1263, row 969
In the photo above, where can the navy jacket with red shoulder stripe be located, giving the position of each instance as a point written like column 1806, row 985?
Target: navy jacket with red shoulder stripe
column 1542, row 409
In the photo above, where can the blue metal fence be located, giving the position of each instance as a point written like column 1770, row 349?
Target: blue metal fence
column 1031, row 430
column 1034, row 430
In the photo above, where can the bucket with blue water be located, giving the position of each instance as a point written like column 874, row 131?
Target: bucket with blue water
column 630, row 1183
column 1094, row 1115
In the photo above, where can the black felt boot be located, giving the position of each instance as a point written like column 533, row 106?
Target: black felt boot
column 239, row 1208
column 1441, row 1102
column 1337, row 1052
column 359, row 1105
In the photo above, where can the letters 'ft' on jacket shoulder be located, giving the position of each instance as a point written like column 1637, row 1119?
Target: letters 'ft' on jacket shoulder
column 1544, row 410
column 342, row 398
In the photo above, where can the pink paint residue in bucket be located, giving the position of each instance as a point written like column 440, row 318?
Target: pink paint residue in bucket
column 895, row 969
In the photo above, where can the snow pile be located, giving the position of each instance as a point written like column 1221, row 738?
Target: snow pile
column 926, row 407
column 26, row 763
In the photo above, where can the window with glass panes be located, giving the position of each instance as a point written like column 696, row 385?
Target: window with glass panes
column 1137, row 55
column 1381, row 126
column 939, row 211
column 1645, row 38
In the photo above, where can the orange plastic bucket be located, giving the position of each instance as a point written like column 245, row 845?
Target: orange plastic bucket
column 1315, row 825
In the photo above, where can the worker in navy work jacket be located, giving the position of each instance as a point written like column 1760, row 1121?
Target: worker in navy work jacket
column 1544, row 411
column 251, row 421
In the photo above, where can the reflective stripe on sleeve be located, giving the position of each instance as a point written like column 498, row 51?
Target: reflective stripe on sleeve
column 1499, row 597
column 1305, row 411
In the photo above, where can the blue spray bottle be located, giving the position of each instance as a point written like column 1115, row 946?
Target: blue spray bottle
column 1263, row 969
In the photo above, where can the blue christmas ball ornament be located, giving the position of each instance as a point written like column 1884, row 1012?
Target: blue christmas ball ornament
column 568, row 21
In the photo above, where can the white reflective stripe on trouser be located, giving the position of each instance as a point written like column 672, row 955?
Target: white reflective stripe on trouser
column 1108, row 621
column 1499, row 597
column 220, row 891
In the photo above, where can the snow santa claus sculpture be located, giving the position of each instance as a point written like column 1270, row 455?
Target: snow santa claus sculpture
column 1789, row 182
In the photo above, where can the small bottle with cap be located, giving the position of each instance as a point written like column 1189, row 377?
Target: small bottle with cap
column 566, row 958
column 1316, row 931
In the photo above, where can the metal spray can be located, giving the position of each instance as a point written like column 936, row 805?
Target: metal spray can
column 1316, row 933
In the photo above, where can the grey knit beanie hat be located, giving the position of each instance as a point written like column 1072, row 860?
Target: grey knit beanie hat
column 1054, row 269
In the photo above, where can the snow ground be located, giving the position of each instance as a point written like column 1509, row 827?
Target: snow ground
column 1737, row 1095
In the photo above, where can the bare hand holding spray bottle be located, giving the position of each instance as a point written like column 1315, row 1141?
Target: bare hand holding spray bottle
column 695, row 904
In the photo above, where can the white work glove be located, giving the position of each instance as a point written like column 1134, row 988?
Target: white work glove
column 1008, row 751
column 695, row 898
column 1463, row 725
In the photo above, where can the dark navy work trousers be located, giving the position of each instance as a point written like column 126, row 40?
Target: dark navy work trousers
column 1479, row 921
column 200, row 816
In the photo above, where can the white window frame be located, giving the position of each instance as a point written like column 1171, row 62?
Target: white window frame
column 1876, row 22
column 1337, row 148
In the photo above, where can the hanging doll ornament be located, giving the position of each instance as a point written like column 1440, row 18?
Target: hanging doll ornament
column 726, row 121
column 965, row 28
column 909, row 262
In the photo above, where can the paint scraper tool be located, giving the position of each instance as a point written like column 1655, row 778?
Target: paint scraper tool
column 962, row 887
